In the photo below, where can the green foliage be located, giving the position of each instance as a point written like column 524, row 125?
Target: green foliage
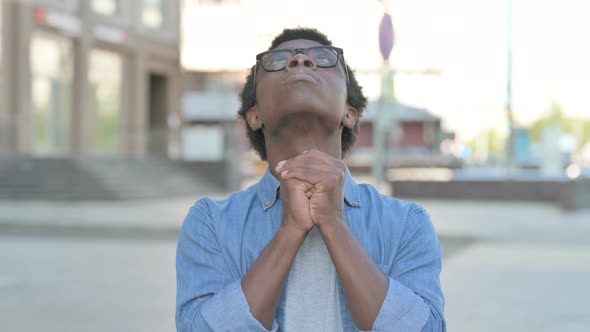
column 585, row 132
column 555, row 118
column 496, row 142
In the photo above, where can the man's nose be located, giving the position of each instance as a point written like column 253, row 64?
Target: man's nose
column 300, row 59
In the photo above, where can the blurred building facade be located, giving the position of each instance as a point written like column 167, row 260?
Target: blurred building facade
column 90, row 78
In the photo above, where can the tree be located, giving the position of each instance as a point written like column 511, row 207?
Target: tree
column 555, row 117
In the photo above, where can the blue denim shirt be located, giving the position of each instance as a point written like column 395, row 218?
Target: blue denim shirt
column 221, row 240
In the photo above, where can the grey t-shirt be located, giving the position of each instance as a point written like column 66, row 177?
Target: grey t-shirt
column 312, row 301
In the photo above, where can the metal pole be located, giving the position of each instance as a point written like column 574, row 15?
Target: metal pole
column 381, row 120
column 509, row 114
column 379, row 131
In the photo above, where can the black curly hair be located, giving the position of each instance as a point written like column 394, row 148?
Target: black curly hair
column 355, row 96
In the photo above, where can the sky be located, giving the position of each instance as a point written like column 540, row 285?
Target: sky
column 468, row 41
column 464, row 42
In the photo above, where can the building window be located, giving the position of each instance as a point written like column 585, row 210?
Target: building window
column 51, row 91
column 1, row 36
column 153, row 13
column 105, row 7
column 3, row 109
column 105, row 71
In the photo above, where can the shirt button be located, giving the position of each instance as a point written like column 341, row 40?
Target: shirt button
column 267, row 203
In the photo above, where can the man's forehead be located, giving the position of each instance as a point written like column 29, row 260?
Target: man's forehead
column 298, row 43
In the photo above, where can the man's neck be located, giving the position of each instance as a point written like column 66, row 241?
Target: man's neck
column 292, row 141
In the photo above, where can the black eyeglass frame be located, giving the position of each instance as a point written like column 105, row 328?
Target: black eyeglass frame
column 303, row 51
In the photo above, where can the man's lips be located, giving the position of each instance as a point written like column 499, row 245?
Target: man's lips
column 301, row 74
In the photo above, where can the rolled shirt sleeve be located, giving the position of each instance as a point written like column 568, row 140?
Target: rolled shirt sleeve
column 414, row 300
column 209, row 297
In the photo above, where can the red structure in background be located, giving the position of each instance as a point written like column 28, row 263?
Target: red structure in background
column 420, row 130
column 418, row 143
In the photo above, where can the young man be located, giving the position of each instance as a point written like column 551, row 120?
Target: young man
column 306, row 248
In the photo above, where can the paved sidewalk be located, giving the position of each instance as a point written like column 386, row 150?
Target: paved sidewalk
column 468, row 219
column 160, row 216
column 514, row 266
column 527, row 269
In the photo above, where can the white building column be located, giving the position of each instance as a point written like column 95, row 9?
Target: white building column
column 81, row 109
column 21, row 107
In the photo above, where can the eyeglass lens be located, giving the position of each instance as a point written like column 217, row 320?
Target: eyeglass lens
column 321, row 56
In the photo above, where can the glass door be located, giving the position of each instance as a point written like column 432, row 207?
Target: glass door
column 105, row 71
column 51, row 59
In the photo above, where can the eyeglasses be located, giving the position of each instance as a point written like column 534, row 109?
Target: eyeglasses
column 322, row 56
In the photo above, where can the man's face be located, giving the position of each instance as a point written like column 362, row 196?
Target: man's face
column 300, row 90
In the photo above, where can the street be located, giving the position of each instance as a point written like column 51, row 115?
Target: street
column 506, row 267
column 86, row 284
column 90, row 284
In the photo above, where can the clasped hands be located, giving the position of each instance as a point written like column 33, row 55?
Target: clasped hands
column 312, row 190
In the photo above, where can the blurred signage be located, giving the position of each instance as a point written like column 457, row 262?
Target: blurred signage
column 66, row 23
column 522, row 145
column 386, row 36
column 109, row 34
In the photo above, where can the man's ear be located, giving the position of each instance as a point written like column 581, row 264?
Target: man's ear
column 253, row 118
column 351, row 117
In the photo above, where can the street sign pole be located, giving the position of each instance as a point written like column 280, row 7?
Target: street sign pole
column 510, row 145
column 380, row 122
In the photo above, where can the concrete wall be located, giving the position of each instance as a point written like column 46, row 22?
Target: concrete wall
column 569, row 195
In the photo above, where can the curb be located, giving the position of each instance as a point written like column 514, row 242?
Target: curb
column 89, row 230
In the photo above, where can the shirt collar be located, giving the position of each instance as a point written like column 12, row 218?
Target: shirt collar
column 268, row 190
